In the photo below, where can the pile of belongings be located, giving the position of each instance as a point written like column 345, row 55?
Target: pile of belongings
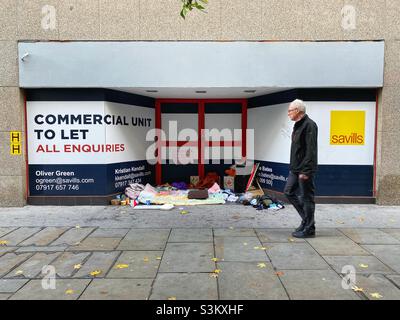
column 261, row 202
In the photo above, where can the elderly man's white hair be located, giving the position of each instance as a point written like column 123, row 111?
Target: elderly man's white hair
column 300, row 105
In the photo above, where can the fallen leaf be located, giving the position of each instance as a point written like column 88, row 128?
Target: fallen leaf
column 214, row 275
column 340, row 222
column 3, row 242
column 376, row 295
column 145, row 259
column 95, row 273
column 291, row 240
column 158, row 258
column 77, row 266
column 279, row 273
column 256, row 248
column 215, row 259
column 184, row 212
column 77, row 243
column 19, row 272
column 363, row 265
column 263, row 248
column 172, row 298
column 103, row 292
column 121, row 266
column 262, row 265
column 362, row 219
column 245, row 243
column 357, row 289
column 77, row 227
column 217, row 270
column 69, row 291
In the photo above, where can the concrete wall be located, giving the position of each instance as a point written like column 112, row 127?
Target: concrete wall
column 225, row 20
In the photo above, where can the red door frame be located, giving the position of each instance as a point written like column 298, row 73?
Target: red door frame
column 201, row 125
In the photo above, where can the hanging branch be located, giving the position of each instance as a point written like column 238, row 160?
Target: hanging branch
column 189, row 5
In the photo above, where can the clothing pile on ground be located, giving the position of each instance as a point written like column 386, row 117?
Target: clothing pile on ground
column 207, row 191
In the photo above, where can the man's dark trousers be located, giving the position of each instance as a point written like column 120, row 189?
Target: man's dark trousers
column 305, row 204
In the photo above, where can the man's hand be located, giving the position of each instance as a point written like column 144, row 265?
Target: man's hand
column 303, row 177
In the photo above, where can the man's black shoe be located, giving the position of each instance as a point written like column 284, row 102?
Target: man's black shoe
column 301, row 226
column 304, row 234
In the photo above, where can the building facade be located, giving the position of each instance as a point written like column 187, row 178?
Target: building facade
column 26, row 26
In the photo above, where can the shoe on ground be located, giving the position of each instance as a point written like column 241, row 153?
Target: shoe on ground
column 304, row 234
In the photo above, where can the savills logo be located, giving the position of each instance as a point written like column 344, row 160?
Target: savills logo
column 347, row 128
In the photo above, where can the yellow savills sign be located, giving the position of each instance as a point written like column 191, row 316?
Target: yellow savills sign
column 347, row 128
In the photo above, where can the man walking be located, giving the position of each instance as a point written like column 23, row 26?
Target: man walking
column 303, row 166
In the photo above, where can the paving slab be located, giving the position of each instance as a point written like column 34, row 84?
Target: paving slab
column 11, row 285
column 109, row 233
column 295, row 256
column 184, row 286
column 6, row 249
column 101, row 261
column 244, row 249
column 42, row 249
column 369, row 236
column 34, row 290
column 117, row 289
column 5, row 296
column 44, row 237
column 191, row 235
column 336, row 246
column 5, row 230
column 96, row 244
column 277, row 235
column 377, row 283
column 11, row 260
column 32, row 267
column 72, row 236
column 141, row 264
column 19, row 235
column 315, row 285
column 65, row 263
column 247, row 281
column 145, row 239
column 395, row 278
column 388, row 254
column 362, row 264
column 233, row 232
column 188, row 257
column 395, row 233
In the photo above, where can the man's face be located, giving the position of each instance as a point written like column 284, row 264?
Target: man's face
column 293, row 112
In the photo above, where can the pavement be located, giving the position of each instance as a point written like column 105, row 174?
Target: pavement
column 221, row 252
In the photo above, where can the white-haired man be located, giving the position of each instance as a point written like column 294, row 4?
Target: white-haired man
column 300, row 188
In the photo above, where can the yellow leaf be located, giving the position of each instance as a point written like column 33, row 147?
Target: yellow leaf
column 376, row 295
column 363, row 265
column 217, row 270
column 69, row 291
column 291, row 240
column 145, row 259
column 77, row 266
column 3, row 242
column 121, row 266
column 263, row 248
column 215, row 259
column 19, row 272
column 256, row 248
column 158, row 258
column 184, row 212
column 172, row 298
column 357, row 289
column 95, row 273
column 262, row 265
